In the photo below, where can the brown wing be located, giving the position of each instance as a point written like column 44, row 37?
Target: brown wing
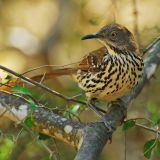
column 90, row 62
column 94, row 59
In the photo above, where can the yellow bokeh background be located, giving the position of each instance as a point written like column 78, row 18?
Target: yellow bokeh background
column 40, row 32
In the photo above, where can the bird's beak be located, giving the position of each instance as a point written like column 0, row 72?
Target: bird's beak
column 91, row 36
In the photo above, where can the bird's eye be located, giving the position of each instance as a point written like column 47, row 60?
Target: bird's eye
column 113, row 34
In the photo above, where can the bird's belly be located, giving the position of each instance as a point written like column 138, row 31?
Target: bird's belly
column 110, row 94
column 115, row 90
column 102, row 86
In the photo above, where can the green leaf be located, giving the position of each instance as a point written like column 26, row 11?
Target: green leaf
column 152, row 107
column 158, row 149
column 32, row 104
column 67, row 114
column 81, row 98
column 25, row 91
column 28, row 122
column 148, row 147
column 154, row 118
column 43, row 136
column 9, row 77
column 46, row 158
column 74, row 109
column 128, row 124
column 11, row 137
column 21, row 90
column 6, row 148
column 153, row 110
column 158, row 121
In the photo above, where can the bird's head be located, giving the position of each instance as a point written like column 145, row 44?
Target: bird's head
column 115, row 36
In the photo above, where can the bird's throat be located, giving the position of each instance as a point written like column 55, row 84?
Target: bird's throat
column 110, row 51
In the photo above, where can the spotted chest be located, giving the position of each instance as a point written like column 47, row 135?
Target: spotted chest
column 116, row 75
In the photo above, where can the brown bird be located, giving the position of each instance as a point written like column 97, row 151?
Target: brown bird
column 110, row 71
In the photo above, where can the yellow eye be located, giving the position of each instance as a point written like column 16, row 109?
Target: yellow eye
column 113, row 34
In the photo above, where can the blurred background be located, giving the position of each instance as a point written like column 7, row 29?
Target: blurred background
column 40, row 32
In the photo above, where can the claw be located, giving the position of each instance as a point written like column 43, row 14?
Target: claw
column 108, row 125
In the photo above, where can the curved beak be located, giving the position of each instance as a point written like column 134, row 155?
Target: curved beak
column 91, row 36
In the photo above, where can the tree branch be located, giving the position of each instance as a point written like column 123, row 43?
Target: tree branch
column 88, row 138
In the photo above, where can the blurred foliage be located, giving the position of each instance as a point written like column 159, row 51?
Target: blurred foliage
column 154, row 111
column 6, row 146
column 34, row 33
column 128, row 124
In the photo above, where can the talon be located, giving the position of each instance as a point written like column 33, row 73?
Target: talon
column 108, row 125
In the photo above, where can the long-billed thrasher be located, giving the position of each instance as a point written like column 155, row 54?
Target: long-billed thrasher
column 110, row 71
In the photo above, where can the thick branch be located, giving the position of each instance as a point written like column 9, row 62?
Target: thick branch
column 151, row 64
column 89, row 138
column 96, row 134
column 45, row 120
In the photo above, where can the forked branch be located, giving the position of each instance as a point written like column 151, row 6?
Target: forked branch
column 88, row 138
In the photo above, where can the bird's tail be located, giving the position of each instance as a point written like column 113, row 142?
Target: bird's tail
column 69, row 69
column 55, row 73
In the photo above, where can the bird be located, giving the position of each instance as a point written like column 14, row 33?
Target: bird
column 110, row 71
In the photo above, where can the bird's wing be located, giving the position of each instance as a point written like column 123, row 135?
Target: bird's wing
column 90, row 62
column 95, row 58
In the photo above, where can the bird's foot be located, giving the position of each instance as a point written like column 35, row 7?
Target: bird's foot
column 97, row 110
column 108, row 125
column 109, row 128
column 119, row 103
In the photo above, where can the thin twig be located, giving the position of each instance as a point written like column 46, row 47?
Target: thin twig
column 18, row 135
column 56, row 151
column 43, row 77
column 2, row 114
column 114, row 10
column 135, row 16
column 147, row 128
column 53, row 92
column 141, row 118
column 15, row 95
column 44, row 66
column 28, row 80
column 153, row 145
column 125, row 145
column 143, row 126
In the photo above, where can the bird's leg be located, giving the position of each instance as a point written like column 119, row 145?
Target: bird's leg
column 120, row 103
column 91, row 105
column 108, row 126
column 77, row 95
column 99, row 113
column 99, row 109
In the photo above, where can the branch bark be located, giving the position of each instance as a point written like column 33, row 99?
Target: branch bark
column 88, row 138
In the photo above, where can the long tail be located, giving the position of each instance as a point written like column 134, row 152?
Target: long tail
column 70, row 69
column 55, row 73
